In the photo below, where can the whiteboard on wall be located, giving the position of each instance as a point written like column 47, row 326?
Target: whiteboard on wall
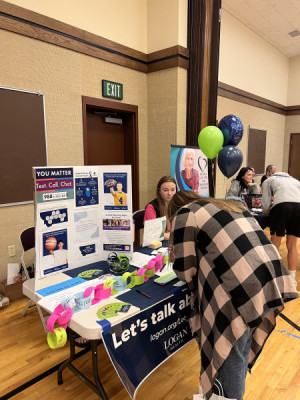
column 22, row 143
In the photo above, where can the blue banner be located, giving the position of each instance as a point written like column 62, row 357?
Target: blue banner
column 189, row 167
column 138, row 345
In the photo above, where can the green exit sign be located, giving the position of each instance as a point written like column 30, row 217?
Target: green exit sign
column 113, row 90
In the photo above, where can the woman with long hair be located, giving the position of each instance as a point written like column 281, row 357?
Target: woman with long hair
column 165, row 190
column 238, row 285
column 243, row 184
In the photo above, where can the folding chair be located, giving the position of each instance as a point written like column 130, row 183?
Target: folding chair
column 27, row 239
column 138, row 220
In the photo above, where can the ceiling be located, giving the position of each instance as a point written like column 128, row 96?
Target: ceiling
column 270, row 19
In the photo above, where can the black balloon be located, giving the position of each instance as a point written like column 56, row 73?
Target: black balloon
column 232, row 129
column 230, row 159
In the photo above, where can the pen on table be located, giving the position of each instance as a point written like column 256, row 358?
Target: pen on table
column 144, row 294
column 163, row 267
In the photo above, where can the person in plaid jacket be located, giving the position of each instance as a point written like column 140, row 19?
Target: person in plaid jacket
column 238, row 285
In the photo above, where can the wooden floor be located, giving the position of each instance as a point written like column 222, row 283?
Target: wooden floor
column 25, row 355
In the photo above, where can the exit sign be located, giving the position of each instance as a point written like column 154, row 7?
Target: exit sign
column 113, row 90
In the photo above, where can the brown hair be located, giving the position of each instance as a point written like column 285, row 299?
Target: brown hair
column 161, row 203
column 185, row 197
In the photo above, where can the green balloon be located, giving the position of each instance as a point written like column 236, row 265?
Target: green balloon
column 210, row 141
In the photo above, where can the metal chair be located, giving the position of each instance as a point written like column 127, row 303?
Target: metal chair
column 138, row 220
column 27, row 239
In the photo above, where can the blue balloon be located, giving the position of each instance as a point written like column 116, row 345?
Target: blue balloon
column 232, row 129
column 230, row 159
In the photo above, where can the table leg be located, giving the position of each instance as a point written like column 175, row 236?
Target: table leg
column 97, row 386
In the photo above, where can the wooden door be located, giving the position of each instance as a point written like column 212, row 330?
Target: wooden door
column 294, row 159
column 108, row 143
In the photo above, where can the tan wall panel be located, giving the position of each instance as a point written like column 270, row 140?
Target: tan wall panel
column 166, row 121
column 257, row 118
column 248, row 62
column 109, row 19
column 181, row 106
column 167, row 24
column 294, row 81
column 134, row 92
column 63, row 76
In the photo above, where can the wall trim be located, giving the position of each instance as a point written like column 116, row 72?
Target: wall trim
column 233, row 93
column 31, row 24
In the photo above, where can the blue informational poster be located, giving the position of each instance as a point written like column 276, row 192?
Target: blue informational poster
column 82, row 214
column 86, row 189
column 138, row 345
column 189, row 167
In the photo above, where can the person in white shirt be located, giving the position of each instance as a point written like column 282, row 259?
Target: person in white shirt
column 284, row 218
column 60, row 255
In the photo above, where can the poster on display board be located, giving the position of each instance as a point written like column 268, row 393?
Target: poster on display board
column 189, row 167
column 82, row 213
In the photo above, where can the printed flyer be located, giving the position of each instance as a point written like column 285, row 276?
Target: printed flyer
column 82, row 213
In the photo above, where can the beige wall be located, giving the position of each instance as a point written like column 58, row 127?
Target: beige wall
column 294, row 82
column 165, row 100
column 64, row 76
column 273, row 123
column 123, row 21
column 144, row 25
column 250, row 63
column 246, row 62
column 167, row 24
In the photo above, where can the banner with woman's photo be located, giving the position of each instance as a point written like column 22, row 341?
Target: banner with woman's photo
column 189, row 167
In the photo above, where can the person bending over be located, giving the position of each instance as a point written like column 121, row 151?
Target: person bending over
column 284, row 218
column 238, row 284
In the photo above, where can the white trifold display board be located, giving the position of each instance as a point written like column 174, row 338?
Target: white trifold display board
column 82, row 213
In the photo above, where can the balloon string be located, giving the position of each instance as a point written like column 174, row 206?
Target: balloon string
column 224, row 186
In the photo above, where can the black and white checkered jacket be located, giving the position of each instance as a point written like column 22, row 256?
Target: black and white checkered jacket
column 236, row 277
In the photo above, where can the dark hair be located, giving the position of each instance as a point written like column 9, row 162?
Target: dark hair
column 185, row 197
column 161, row 204
column 240, row 176
column 60, row 241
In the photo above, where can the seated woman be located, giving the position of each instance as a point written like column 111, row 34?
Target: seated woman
column 243, row 184
column 165, row 190
column 189, row 174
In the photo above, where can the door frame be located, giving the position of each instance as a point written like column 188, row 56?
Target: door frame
column 291, row 149
column 130, row 129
